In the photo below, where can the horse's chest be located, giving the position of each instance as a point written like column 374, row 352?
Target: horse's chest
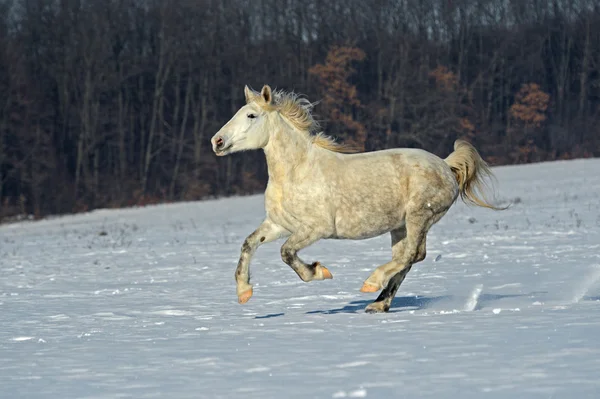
column 290, row 208
column 275, row 205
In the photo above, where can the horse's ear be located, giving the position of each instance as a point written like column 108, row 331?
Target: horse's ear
column 266, row 94
column 248, row 93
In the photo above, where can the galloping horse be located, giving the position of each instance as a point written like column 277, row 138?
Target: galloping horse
column 319, row 189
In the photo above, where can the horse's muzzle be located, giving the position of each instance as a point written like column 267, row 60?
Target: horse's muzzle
column 220, row 145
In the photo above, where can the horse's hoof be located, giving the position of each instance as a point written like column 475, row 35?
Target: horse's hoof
column 368, row 288
column 321, row 272
column 245, row 296
column 326, row 273
column 376, row 307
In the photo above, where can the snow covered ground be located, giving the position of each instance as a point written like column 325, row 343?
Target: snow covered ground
column 141, row 303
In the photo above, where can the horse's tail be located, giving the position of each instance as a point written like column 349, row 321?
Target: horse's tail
column 471, row 172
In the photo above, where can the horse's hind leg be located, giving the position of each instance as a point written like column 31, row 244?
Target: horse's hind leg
column 406, row 252
column 383, row 302
column 289, row 254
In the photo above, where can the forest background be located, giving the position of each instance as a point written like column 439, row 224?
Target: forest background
column 112, row 103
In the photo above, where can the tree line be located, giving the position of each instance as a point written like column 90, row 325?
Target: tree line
column 110, row 103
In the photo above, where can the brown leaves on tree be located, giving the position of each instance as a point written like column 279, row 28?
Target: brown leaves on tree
column 452, row 102
column 530, row 105
column 444, row 78
column 340, row 98
column 528, row 114
column 466, row 127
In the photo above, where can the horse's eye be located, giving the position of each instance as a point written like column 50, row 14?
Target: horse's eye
column 251, row 116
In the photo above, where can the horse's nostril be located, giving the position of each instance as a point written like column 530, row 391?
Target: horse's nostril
column 219, row 142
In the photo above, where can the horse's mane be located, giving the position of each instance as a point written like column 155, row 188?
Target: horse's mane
column 297, row 110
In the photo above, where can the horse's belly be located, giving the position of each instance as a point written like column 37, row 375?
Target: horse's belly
column 363, row 225
column 362, row 234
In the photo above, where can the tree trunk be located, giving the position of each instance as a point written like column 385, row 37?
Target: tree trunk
column 181, row 138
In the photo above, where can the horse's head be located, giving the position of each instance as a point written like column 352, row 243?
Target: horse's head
column 247, row 130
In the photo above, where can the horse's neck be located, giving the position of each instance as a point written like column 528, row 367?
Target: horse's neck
column 286, row 151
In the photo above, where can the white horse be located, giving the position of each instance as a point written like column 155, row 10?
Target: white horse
column 317, row 190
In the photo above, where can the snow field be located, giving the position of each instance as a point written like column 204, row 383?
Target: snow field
column 140, row 303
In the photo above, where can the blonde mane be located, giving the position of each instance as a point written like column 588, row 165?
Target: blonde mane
column 297, row 110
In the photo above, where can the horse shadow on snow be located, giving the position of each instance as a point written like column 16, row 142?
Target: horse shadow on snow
column 399, row 304
column 407, row 303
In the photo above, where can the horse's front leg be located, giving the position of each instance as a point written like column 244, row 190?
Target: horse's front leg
column 266, row 232
column 289, row 254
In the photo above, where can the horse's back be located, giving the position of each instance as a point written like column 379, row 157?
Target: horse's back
column 401, row 156
column 373, row 190
column 412, row 166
